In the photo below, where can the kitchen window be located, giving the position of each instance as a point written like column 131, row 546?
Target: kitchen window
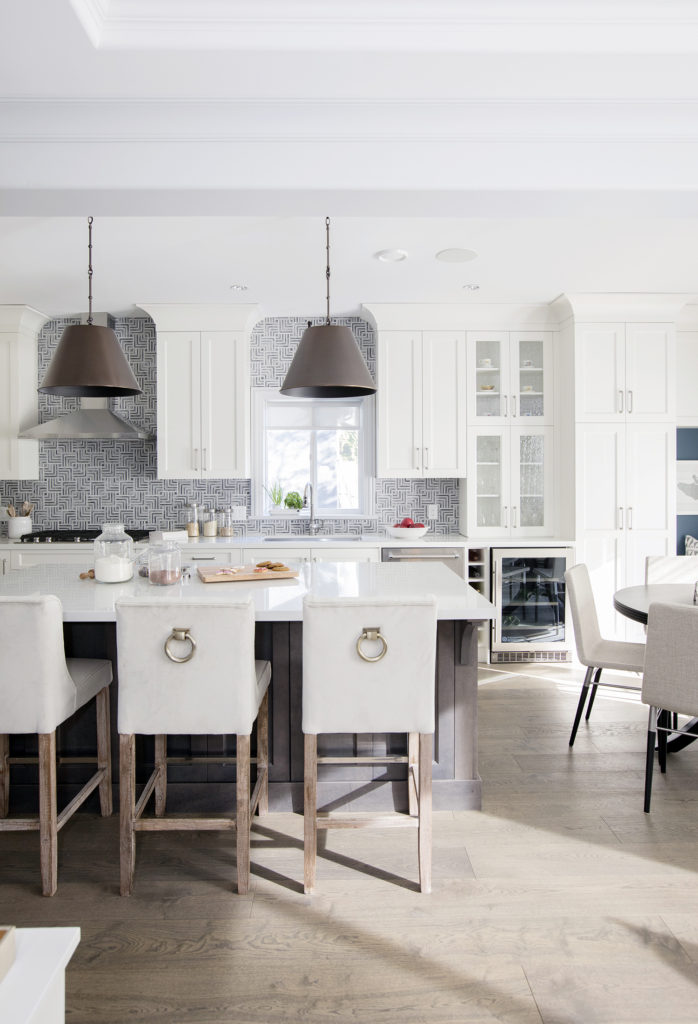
column 327, row 443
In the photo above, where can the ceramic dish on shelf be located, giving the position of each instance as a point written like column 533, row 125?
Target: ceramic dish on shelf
column 407, row 532
column 487, row 387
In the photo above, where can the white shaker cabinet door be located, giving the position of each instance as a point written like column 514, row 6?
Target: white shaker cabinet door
column 650, row 477
column 443, row 404
column 399, row 404
column 225, row 407
column 650, row 387
column 600, row 372
column 179, row 405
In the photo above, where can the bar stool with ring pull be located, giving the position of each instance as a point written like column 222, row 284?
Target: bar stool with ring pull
column 189, row 669
column 369, row 667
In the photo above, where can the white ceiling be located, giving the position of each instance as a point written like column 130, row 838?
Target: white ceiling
column 209, row 140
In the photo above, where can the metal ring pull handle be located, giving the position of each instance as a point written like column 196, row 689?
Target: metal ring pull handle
column 181, row 634
column 372, row 633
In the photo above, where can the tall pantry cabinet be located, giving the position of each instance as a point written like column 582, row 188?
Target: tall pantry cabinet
column 625, row 444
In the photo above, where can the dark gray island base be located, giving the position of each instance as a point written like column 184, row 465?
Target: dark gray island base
column 196, row 786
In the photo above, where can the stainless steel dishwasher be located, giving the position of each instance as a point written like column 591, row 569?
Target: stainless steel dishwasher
column 454, row 557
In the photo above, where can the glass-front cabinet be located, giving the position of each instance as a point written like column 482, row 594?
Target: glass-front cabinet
column 509, row 483
column 509, row 377
column 528, row 590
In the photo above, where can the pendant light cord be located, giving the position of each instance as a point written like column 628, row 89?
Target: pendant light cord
column 327, row 271
column 89, row 269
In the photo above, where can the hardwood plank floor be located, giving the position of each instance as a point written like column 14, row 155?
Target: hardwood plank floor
column 561, row 902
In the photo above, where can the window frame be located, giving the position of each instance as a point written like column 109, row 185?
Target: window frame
column 261, row 398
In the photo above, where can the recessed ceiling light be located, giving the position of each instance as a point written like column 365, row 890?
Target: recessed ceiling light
column 471, row 287
column 456, row 255
column 391, row 255
column 238, row 288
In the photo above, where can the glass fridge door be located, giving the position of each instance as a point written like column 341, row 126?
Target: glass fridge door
column 531, row 600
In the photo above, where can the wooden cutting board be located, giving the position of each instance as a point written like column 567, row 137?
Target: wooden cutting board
column 242, row 574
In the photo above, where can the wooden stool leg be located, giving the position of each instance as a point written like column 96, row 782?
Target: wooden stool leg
column 263, row 753
column 48, row 814
column 104, row 751
column 242, row 813
column 4, row 775
column 426, row 741
column 127, row 806
column 161, row 781
column 309, row 811
column 412, row 767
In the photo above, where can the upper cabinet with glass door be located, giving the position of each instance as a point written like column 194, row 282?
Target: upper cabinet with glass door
column 510, row 377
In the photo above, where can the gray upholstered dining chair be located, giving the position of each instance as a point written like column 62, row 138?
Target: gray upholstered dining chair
column 369, row 666
column 593, row 651
column 189, row 669
column 670, row 679
column 39, row 690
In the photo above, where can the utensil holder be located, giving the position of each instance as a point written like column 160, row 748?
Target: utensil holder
column 17, row 526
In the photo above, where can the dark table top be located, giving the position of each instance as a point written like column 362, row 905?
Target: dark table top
column 634, row 602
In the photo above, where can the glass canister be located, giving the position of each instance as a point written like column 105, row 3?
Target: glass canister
column 164, row 563
column 226, row 522
column 113, row 554
column 210, row 521
column 192, row 520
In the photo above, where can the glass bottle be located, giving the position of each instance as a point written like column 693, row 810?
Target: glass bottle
column 210, row 519
column 164, row 563
column 113, row 554
column 193, row 520
column 226, row 522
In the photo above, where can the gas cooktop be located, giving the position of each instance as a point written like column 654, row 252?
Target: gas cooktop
column 76, row 536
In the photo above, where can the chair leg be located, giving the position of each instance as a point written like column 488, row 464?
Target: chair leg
column 161, row 780
column 127, row 808
column 580, row 706
column 426, row 742
column 242, row 813
column 649, row 761
column 309, row 811
column 412, row 767
column 594, row 688
column 104, row 751
column 263, row 753
column 4, row 775
column 48, row 813
column 662, row 737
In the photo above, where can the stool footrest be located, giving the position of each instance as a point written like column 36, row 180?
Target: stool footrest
column 183, row 824
column 379, row 759
column 368, row 821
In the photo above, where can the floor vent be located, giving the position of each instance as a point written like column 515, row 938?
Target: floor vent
column 529, row 656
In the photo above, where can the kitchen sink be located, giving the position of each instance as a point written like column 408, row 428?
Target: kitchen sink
column 337, row 538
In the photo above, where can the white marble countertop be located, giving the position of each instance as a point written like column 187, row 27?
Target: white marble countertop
column 33, row 987
column 275, row 600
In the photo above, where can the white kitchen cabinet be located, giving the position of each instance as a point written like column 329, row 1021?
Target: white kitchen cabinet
column 508, row 491
column 79, row 555
column 625, row 372
column 203, row 405
column 510, row 377
column 421, row 404
column 347, row 554
column 19, row 328
column 625, row 508
column 686, row 377
column 272, row 553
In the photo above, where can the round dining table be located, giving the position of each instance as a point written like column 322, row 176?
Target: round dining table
column 634, row 603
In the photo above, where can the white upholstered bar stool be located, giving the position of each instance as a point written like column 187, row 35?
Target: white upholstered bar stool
column 369, row 667
column 189, row 669
column 592, row 650
column 39, row 690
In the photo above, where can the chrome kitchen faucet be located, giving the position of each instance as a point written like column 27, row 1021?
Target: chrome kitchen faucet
column 314, row 525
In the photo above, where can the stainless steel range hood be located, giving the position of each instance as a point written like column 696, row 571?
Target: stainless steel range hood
column 94, row 419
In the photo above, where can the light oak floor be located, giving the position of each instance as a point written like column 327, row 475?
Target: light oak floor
column 560, row 902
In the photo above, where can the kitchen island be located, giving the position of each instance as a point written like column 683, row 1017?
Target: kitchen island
column 89, row 618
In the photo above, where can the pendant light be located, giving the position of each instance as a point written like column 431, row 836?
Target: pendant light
column 328, row 361
column 89, row 360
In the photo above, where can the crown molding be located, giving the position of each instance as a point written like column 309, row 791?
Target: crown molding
column 418, row 316
column 205, row 317
column 617, row 307
column 480, row 26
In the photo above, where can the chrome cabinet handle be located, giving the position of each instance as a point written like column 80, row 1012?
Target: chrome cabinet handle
column 630, row 401
column 506, row 405
column 620, row 401
column 4, row 566
column 426, row 458
column 416, row 458
column 205, row 452
column 506, row 517
column 196, row 459
column 630, row 517
column 620, row 517
column 513, row 516
column 513, row 406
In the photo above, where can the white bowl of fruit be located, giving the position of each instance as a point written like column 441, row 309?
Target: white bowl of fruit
column 407, row 529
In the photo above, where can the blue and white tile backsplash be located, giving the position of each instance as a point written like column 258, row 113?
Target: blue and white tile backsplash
column 86, row 483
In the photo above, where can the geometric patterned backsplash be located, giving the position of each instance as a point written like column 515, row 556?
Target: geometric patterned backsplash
column 86, row 483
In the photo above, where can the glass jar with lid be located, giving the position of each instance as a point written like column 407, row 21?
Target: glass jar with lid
column 164, row 563
column 192, row 520
column 113, row 554
column 226, row 522
column 210, row 521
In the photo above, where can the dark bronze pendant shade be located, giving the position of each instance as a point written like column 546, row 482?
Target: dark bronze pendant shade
column 89, row 360
column 328, row 362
